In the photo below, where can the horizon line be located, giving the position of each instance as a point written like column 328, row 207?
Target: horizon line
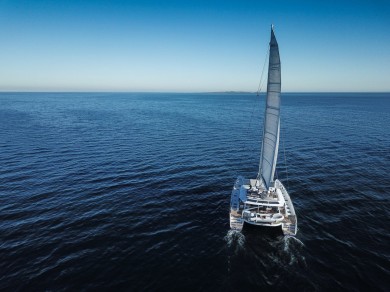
column 178, row 92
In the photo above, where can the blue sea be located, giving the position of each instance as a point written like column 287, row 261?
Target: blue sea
column 131, row 191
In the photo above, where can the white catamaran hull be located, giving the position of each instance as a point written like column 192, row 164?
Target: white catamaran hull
column 255, row 205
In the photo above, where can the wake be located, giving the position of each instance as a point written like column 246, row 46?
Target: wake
column 235, row 239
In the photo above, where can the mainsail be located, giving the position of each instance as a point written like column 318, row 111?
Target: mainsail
column 270, row 145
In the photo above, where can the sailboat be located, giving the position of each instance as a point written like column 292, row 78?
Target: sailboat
column 264, row 201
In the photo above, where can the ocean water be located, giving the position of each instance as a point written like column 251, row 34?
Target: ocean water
column 130, row 191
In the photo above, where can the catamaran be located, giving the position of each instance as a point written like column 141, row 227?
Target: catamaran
column 264, row 201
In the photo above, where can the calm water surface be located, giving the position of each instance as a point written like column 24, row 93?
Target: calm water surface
column 131, row 192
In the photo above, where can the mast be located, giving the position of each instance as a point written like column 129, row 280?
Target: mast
column 271, row 130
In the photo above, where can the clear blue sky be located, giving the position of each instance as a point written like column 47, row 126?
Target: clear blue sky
column 184, row 45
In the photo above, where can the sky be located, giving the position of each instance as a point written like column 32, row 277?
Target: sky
column 193, row 46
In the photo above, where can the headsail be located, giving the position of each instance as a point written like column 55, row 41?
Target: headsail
column 270, row 145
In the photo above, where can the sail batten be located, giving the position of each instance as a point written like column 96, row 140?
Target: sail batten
column 270, row 143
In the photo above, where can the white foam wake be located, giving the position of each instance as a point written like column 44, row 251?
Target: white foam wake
column 235, row 239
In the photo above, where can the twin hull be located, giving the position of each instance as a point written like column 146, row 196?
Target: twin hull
column 253, row 204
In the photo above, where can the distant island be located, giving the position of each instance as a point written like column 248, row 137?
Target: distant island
column 232, row 92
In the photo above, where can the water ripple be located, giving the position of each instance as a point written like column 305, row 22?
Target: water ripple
column 131, row 192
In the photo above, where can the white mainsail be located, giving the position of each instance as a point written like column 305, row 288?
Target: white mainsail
column 270, row 145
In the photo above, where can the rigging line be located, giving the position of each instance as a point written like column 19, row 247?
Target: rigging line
column 285, row 163
column 262, row 73
column 257, row 94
